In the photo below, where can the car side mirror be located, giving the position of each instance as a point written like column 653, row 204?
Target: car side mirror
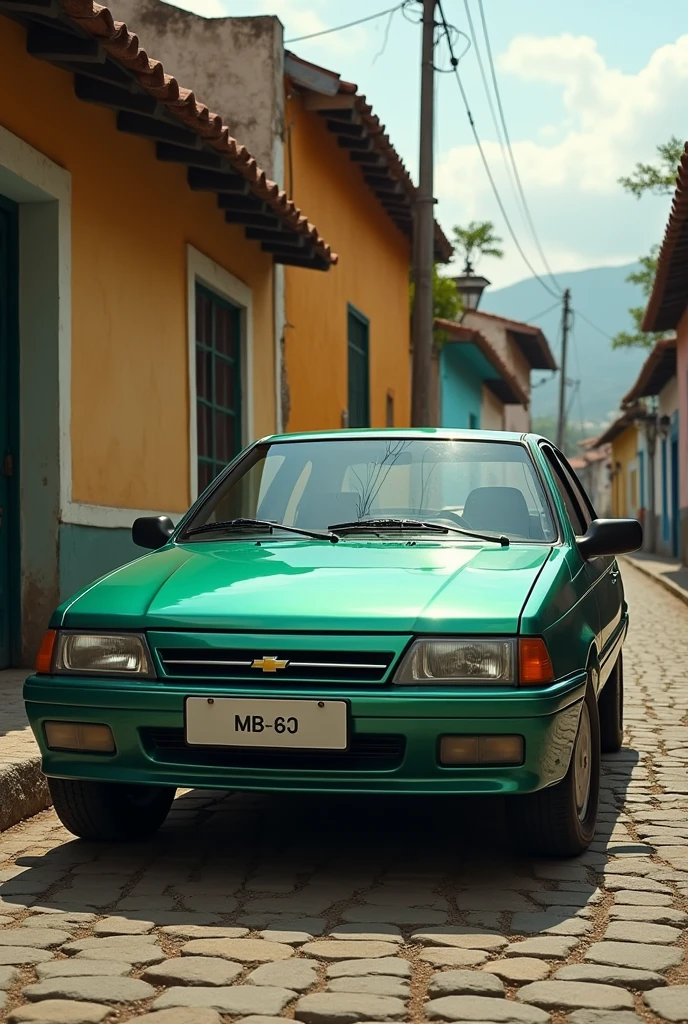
column 610, row 537
column 152, row 531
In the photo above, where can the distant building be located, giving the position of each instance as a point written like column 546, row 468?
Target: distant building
column 593, row 467
column 483, row 368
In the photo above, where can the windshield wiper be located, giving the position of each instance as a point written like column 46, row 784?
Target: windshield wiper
column 261, row 524
column 415, row 525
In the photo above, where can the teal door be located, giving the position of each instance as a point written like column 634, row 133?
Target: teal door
column 359, row 369
column 9, row 385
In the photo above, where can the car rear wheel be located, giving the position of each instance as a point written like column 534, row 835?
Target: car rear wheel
column 611, row 710
column 110, row 811
column 560, row 821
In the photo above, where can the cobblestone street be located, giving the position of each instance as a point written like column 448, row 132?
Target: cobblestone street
column 339, row 910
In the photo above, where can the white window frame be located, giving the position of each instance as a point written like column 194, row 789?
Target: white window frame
column 205, row 271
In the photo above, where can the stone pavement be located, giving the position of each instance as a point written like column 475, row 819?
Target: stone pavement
column 669, row 572
column 340, row 910
column 23, row 791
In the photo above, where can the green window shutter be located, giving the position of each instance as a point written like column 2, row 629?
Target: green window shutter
column 218, row 384
column 359, row 369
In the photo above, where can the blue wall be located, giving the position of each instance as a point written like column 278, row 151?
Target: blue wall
column 88, row 552
column 461, row 387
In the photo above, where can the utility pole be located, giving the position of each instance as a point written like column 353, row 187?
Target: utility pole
column 565, row 318
column 423, row 232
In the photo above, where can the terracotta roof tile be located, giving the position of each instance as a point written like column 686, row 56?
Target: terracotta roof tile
column 669, row 297
column 655, row 373
column 124, row 47
column 531, row 339
column 380, row 141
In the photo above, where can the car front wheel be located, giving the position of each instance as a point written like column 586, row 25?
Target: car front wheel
column 110, row 811
column 560, row 821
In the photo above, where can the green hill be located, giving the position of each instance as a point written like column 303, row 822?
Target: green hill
column 603, row 296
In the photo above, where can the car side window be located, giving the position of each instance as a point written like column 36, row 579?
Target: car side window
column 578, row 489
column 568, row 494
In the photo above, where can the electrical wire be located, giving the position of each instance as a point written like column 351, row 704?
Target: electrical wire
column 488, row 95
column 543, row 313
column 349, row 24
column 591, row 324
column 386, row 36
column 486, row 166
column 517, row 176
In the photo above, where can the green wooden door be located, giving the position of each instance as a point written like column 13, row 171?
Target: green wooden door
column 359, row 370
column 9, row 386
column 218, row 384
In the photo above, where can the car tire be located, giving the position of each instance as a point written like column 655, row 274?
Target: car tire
column 611, row 710
column 560, row 821
column 110, row 811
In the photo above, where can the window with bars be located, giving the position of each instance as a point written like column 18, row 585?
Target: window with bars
column 218, row 384
column 359, row 372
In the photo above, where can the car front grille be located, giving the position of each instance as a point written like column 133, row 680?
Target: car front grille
column 219, row 664
column 375, row 753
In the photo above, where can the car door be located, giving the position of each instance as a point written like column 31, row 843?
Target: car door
column 580, row 517
column 604, row 570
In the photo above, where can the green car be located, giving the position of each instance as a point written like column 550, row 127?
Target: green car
column 419, row 611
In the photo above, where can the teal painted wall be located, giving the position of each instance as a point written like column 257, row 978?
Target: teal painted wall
column 88, row 552
column 461, row 387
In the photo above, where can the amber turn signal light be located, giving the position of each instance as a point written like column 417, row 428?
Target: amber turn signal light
column 44, row 661
column 535, row 666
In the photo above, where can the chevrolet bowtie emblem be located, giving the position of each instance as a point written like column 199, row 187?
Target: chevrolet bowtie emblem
column 269, row 664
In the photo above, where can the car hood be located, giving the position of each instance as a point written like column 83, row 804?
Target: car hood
column 353, row 586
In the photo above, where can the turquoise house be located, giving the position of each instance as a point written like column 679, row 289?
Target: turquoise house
column 476, row 386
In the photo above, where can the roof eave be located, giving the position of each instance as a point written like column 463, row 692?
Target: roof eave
column 111, row 70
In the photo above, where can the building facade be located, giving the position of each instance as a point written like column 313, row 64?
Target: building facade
column 344, row 353
column 475, row 386
column 667, row 311
column 522, row 348
column 139, row 331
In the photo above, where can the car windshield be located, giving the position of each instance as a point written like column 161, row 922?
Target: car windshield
column 485, row 486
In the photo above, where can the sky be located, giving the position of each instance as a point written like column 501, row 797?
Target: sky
column 587, row 89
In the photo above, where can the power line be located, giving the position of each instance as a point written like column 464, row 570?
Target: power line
column 488, row 94
column 349, row 24
column 594, row 326
column 543, row 313
column 485, row 163
column 511, row 153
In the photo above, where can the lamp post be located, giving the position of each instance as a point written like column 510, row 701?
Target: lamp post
column 470, row 287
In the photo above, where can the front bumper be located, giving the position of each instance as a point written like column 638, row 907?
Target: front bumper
column 394, row 738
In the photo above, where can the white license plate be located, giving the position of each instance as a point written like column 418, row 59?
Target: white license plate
column 280, row 724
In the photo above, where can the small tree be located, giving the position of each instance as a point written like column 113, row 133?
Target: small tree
column 476, row 240
column 658, row 179
column 446, row 301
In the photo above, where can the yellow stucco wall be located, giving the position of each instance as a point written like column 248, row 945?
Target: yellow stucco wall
column 624, row 452
column 372, row 275
column 132, row 217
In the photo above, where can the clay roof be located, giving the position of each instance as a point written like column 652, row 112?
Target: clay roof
column 506, row 388
column 112, row 69
column 359, row 130
column 655, row 373
column 615, row 429
column 578, row 462
column 669, row 297
column 529, row 338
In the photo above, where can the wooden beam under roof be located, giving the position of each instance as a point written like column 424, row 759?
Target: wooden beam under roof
column 105, row 94
column 45, row 42
column 201, row 180
column 157, row 129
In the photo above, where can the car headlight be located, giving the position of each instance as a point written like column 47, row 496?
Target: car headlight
column 460, row 662
column 121, row 654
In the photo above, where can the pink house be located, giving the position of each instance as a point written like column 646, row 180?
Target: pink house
column 667, row 311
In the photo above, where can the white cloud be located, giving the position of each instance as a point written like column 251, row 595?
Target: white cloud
column 299, row 17
column 570, row 170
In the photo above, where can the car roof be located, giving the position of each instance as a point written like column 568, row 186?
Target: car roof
column 439, row 433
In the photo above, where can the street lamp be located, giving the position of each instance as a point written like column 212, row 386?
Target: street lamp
column 470, row 287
